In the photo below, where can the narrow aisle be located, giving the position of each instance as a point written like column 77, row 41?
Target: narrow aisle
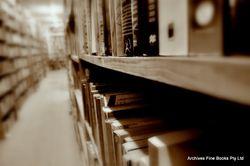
column 44, row 133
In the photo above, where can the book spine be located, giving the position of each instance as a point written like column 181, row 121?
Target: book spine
column 107, row 28
column 140, row 27
column 135, row 27
column 236, row 28
column 110, row 145
column 127, row 27
column 118, row 141
column 86, row 102
column 101, row 27
column 87, row 28
column 152, row 44
column 94, row 28
column 123, row 98
column 118, row 27
column 99, row 105
column 112, row 27
column 130, row 146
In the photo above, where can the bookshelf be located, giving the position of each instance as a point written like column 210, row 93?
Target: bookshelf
column 147, row 69
column 222, row 77
column 129, row 101
column 23, row 61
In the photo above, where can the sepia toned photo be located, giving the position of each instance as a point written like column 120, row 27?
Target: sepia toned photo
column 124, row 82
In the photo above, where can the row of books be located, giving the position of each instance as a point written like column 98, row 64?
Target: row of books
column 9, row 66
column 126, row 132
column 22, row 38
column 161, row 27
column 6, row 67
column 22, row 59
column 6, row 103
column 16, row 18
column 130, row 121
column 7, row 83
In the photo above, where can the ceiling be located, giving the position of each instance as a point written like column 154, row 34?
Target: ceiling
column 48, row 12
column 40, row 1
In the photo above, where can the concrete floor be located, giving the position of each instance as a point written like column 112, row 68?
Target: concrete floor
column 44, row 133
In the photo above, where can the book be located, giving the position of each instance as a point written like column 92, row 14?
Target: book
column 184, row 31
column 133, row 158
column 143, row 136
column 144, row 161
column 132, row 127
column 91, row 155
column 112, row 23
column 236, row 28
column 127, row 33
column 152, row 40
column 122, row 98
column 134, row 145
column 107, row 28
column 140, row 27
column 94, row 28
column 108, row 117
column 101, row 35
column 172, row 148
column 118, row 28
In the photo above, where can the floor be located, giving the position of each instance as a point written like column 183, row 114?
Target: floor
column 43, row 135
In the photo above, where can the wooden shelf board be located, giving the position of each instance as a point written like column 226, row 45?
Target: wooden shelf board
column 223, row 77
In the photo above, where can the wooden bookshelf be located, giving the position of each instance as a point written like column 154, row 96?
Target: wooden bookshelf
column 222, row 77
column 22, row 60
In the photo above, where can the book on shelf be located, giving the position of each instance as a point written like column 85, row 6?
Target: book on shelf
column 139, row 27
column 236, row 29
column 143, row 136
column 144, row 161
column 184, row 31
column 107, row 27
column 112, row 24
column 92, row 156
column 100, row 27
column 153, row 27
column 132, row 127
column 134, row 158
column 118, row 28
column 134, row 145
column 107, row 119
column 173, row 148
column 127, row 33
column 94, row 30
column 98, row 110
column 122, row 98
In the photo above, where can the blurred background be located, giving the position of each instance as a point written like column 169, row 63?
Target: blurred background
column 34, row 99
column 49, row 16
column 124, row 82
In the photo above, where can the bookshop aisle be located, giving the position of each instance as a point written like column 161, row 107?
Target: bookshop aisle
column 43, row 135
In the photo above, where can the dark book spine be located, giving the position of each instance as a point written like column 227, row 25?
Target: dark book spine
column 107, row 29
column 135, row 28
column 236, row 27
column 139, row 27
column 152, row 44
column 127, row 27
